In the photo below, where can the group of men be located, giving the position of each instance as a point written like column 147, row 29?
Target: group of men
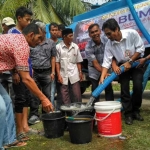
column 121, row 47
column 57, row 63
column 17, row 56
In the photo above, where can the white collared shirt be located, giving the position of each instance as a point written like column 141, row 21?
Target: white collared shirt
column 130, row 43
column 68, row 59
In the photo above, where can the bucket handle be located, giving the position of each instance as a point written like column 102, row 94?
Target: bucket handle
column 104, row 117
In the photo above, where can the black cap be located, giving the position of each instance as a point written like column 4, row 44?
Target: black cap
column 67, row 31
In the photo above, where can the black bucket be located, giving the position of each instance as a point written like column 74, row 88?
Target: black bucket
column 80, row 131
column 53, row 124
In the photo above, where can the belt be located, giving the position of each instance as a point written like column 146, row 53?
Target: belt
column 41, row 70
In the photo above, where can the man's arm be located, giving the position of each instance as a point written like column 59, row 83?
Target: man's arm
column 58, row 73
column 103, row 75
column 127, row 64
column 115, row 67
column 53, row 62
column 97, row 66
column 31, row 85
column 80, row 71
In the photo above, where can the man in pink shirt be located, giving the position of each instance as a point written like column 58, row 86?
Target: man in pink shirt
column 14, row 54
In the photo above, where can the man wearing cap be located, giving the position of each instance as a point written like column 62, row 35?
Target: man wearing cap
column 7, row 23
column 68, row 67
column 43, row 65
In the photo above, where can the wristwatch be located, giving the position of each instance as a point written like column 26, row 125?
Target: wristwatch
column 130, row 61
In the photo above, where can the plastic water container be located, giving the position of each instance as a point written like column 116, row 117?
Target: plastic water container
column 108, row 116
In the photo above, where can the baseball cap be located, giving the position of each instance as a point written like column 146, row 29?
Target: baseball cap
column 8, row 21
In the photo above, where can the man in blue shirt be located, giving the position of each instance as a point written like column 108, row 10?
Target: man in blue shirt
column 22, row 94
column 95, row 53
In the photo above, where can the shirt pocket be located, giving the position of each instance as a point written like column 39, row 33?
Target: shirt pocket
column 73, row 58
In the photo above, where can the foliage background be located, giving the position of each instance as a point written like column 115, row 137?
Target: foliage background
column 59, row 11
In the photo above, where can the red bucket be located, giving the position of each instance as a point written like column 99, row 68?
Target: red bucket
column 108, row 116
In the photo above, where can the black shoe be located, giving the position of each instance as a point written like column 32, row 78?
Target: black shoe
column 129, row 120
column 138, row 117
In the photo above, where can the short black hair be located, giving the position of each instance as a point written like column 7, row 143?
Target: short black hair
column 32, row 27
column 111, row 24
column 11, row 26
column 22, row 11
column 92, row 25
column 53, row 24
column 61, row 27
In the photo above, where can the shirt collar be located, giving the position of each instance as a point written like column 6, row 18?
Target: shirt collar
column 124, row 36
column 44, row 42
column 93, row 43
column 64, row 45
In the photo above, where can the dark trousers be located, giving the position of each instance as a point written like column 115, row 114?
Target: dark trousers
column 109, row 95
column 43, row 81
column 70, row 93
column 22, row 96
column 131, row 103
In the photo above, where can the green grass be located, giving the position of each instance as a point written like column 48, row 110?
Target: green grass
column 137, row 138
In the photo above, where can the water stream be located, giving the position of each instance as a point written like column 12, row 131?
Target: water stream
column 90, row 102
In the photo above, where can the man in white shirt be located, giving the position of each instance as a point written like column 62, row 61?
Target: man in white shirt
column 125, row 46
column 68, row 68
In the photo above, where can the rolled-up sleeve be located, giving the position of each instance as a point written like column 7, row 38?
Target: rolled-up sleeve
column 139, row 44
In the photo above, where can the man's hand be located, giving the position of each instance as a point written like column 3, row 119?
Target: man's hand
column 141, row 62
column 127, row 66
column 16, row 78
column 101, row 80
column 52, row 76
column 47, row 105
column 60, row 80
column 81, row 76
column 116, row 68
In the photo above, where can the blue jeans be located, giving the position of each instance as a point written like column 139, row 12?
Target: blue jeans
column 53, row 90
column 7, row 122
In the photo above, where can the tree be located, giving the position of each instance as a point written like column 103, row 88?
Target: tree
column 60, row 11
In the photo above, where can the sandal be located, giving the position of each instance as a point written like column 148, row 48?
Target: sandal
column 15, row 144
column 32, row 131
column 22, row 137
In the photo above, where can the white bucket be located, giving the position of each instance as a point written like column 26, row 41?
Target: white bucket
column 108, row 116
